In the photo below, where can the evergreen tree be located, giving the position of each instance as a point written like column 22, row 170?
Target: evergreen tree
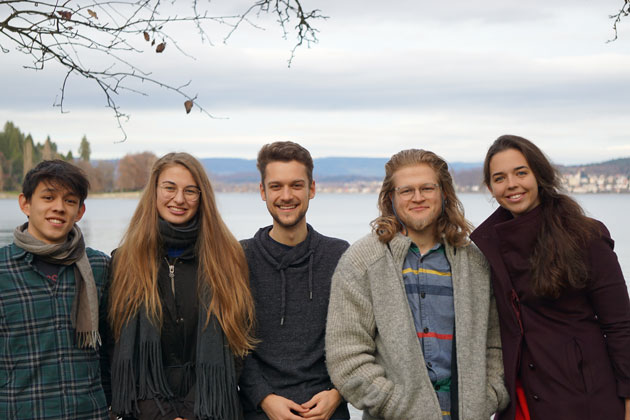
column 84, row 149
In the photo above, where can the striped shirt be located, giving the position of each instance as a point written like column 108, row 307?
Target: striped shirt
column 429, row 288
column 43, row 373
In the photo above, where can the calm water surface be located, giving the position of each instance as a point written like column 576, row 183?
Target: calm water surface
column 342, row 216
column 339, row 215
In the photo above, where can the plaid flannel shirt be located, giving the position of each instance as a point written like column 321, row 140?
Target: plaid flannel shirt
column 43, row 373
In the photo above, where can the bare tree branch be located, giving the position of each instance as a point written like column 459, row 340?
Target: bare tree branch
column 77, row 34
column 623, row 12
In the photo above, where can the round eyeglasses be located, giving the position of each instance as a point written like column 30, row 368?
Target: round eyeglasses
column 168, row 191
column 407, row 192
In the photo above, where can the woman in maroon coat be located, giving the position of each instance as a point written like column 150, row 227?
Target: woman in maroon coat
column 562, row 299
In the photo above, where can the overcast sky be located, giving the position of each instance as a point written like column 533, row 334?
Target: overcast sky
column 446, row 76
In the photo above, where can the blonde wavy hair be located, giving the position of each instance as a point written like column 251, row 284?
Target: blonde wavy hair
column 452, row 226
column 222, row 265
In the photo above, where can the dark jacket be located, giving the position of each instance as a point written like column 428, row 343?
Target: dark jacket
column 572, row 353
column 178, row 338
column 291, row 287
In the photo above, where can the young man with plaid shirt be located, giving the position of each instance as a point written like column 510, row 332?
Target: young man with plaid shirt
column 53, row 305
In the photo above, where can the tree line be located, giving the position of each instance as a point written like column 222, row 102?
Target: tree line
column 19, row 153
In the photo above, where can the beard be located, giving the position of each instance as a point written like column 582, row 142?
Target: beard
column 291, row 223
column 419, row 225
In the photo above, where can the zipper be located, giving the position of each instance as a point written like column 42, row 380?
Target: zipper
column 171, row 273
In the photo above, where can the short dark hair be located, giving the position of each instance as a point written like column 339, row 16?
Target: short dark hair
column 284, row 151
column 57, row 172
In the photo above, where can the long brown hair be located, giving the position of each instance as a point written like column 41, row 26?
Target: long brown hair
column 451, row 224
column 222, row 265
column 558, row 258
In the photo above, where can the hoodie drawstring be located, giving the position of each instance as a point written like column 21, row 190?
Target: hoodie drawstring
column 310, row 276
column 283, row 304
column 283, row 294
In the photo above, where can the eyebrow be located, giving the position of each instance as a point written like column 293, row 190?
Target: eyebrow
column 273, row 181
column 515, row 169
column 185, row 186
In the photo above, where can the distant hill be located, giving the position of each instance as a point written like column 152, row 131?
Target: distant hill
column 338, row 169
column 610, row 167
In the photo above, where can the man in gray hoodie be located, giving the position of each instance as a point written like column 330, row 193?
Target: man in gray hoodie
column 290, row 267
column 412, row 325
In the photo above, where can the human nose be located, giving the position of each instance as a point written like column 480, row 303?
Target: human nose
column 511, row 181
column 57, row 205
column 179, row 196
column 417, row 194
column 285, row 194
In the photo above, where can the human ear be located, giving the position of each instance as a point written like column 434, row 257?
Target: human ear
column 80, row 213
column 25, row 205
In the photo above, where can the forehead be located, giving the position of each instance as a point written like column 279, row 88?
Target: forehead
column 53, row 186
column 177, row 174
column 507, row 160
column 414, row 175
column 278, row 171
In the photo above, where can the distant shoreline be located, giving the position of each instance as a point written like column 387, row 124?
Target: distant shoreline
column 136, row 194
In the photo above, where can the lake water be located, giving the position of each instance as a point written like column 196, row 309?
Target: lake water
column 344, row 216
column 339, row 215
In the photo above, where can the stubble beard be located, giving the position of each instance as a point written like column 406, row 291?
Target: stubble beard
column 291, row 224
column 419, row 225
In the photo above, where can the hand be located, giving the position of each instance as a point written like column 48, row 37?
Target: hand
column 627, row 416
column 279, row 408
column 322, row 405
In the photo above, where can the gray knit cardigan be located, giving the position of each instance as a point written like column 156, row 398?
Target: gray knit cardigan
column 373, row 355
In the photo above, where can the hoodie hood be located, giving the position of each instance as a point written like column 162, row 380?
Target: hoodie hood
column 282, row 257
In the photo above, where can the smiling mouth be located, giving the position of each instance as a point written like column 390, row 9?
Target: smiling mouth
column 56, row 221
column 515, row 196
column 178, row 209
column 287, row 207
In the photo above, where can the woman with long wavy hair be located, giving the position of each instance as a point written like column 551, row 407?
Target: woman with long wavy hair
column 562, row 299
column 180, row 305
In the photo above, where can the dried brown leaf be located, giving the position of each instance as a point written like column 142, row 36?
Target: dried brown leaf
column 146, row 36
column 64, row 14
column 92, row 13
column 160, row 47
column 188, row 105
column 153, row 42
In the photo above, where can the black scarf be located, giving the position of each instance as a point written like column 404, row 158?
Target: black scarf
column 179, row 240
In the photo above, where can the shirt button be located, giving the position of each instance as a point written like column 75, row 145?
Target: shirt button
column 426, row 330
column 422, row 295
column 531, row 366
column 536, row 397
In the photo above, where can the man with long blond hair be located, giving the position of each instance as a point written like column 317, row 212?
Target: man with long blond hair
column 412, row 326
column 290, row 267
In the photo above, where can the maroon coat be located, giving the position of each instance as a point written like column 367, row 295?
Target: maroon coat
column 572, row 353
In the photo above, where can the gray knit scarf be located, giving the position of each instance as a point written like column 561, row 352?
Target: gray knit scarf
column 138, row 372
column 85, row 305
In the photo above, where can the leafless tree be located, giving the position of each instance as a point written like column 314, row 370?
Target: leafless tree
column 73, row 33
column 624, row 11
column 134, row 170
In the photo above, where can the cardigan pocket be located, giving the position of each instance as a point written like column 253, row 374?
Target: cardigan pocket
column 576, row 365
